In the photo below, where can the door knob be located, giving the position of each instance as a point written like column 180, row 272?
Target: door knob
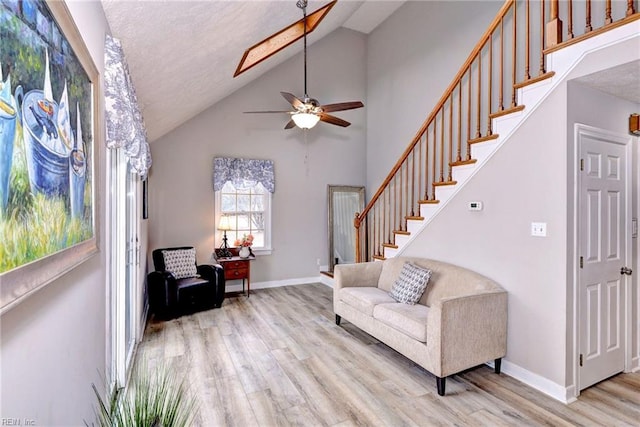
column 626, row 270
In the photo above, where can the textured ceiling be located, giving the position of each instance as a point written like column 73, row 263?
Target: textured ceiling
column 622, row 81
column 182, row 54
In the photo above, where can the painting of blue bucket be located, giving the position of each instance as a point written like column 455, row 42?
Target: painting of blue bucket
column 47, row 121
column 8, row 117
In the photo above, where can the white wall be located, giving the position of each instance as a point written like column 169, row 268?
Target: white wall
column 181, row 195
column 53, row 345
column 411, row 59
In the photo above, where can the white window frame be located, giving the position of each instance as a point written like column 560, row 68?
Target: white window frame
column 266, row 250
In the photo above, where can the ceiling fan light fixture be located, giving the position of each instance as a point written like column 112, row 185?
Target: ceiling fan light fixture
column 305, row 120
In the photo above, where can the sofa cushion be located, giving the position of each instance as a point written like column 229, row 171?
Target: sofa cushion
column 364, row 299
column 180, row 262
column 410, row 284
column 411, row 320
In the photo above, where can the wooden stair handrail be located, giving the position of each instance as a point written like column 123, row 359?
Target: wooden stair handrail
column 387, row 213
column 456, row 80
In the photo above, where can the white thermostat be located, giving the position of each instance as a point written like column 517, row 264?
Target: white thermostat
column 475, row 206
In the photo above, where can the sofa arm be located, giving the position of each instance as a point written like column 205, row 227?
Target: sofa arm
column 215, row 275
column 207, row 271
column 360, row 274
column 467, row 331
column 162, row 289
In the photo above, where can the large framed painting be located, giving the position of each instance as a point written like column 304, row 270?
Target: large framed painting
column 48, row 126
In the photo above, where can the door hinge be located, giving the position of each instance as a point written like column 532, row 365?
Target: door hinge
column 581, row 164
column 581, row 262
column 580, row 359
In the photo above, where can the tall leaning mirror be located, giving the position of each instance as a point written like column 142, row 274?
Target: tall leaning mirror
column 344, row 201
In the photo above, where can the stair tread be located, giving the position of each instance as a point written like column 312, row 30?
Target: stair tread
column 506, row 111
column 463, row 162
column 403, row 232
column 533, row 80
column 414, row 218
column 437, row 184
column 428, row 202
column 484, row 138
column 390, row 245
column 379, row 257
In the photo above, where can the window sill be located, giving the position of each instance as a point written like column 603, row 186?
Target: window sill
column 262, row 251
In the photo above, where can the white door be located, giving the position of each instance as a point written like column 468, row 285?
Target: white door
column 603, row 247
column 124, row 266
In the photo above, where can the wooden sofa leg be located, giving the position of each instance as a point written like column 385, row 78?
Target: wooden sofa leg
column 440, row 383
column 338, row 318
column 497, row 365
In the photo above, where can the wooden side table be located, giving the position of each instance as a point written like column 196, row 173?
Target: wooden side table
column 236, row 268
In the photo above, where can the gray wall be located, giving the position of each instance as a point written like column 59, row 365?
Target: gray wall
column 411, row 59
column 518, row 185
column 53, row 345
column 181, row 195
column 530, row 178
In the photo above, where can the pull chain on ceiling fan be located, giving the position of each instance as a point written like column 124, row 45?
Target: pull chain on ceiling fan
column 308, row 111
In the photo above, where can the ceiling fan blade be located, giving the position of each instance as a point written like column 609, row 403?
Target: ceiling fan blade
column 290, row 124
column 341, row 106
column 328, row 118
column 293, row 100
column 268, row 112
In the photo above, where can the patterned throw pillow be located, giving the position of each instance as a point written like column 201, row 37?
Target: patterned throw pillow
column 411, row 284
column 181, row 262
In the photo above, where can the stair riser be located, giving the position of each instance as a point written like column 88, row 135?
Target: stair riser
column 402, row 239
column 462, row 173
column 413, row 226
column 427, row 211
column 390, row 252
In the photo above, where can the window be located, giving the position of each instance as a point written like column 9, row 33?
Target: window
column 248, row 211
column 243, row 190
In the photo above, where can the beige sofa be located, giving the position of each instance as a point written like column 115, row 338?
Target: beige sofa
column 460, row 321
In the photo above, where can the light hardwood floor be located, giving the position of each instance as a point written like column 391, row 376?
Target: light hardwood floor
column 278, row 359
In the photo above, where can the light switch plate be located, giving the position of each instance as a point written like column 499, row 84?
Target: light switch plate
column 539, row 229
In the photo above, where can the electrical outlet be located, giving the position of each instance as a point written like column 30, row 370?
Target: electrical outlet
column 539, row 229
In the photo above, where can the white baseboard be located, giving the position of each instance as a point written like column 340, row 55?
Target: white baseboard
column 326, row 280
column 544, row 385
column 273, row 283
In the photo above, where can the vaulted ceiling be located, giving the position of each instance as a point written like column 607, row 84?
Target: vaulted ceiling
column 182, row 54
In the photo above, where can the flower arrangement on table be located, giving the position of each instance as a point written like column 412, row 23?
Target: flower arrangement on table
column 245, row 245
column 247, row 240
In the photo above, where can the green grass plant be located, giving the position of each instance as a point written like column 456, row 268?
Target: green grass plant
column 154, row 398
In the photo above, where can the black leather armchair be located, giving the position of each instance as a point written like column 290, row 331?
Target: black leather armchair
column 170, row 297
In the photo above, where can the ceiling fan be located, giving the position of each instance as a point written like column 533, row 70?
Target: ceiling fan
column 307, row 112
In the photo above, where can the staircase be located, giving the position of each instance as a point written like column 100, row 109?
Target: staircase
column 516, row 64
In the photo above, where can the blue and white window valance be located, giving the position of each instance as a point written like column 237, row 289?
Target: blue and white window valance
column 125, row 126
column 243, row 173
